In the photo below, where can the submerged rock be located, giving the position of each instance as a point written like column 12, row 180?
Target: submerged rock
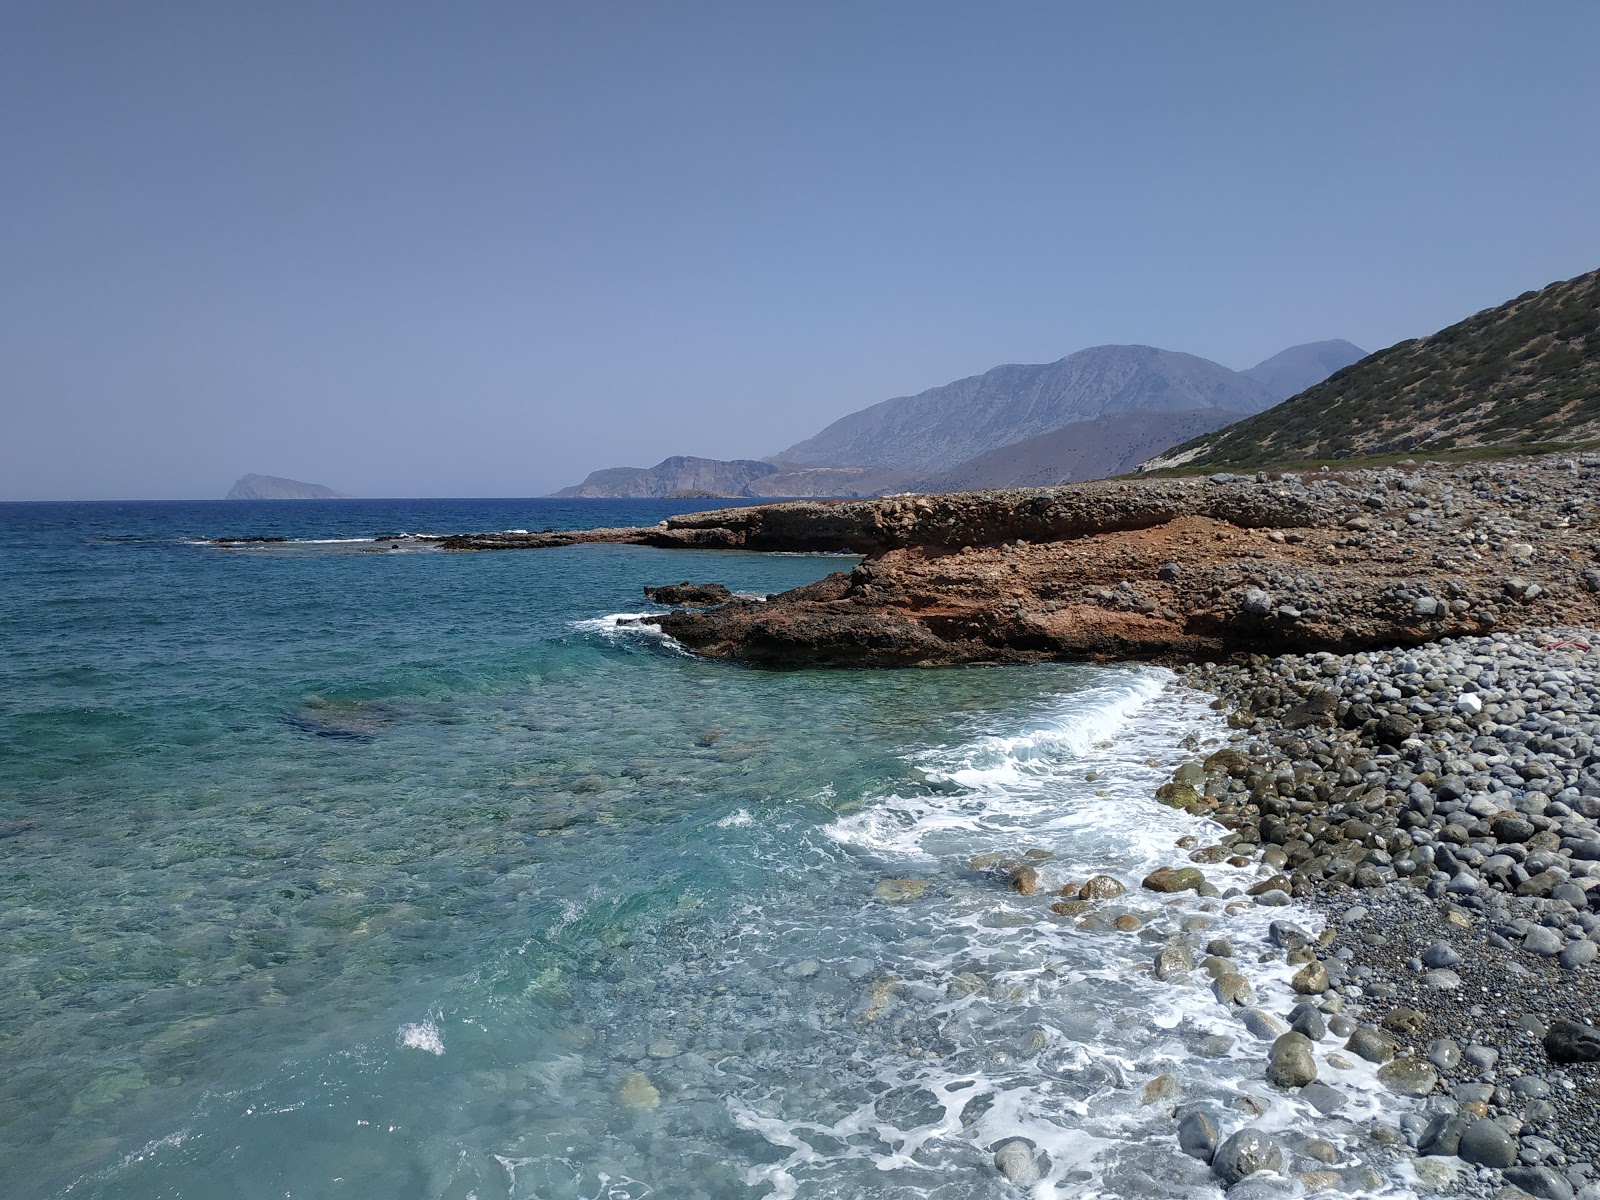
column 637, row 1092
column 901, row 891
column 1020, row 1163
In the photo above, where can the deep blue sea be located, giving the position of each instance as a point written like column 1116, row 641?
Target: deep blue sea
column 335, row 870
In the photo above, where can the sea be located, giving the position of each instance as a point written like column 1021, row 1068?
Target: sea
column 343, row 866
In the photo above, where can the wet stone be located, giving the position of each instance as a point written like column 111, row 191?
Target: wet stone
column 1173, row 962
column 1541, row 1182
column 1292, row 1063
column 1245, row 1153
column 1371, row 1044
column 1263, row 1024
column 1020, row 1163
column 1306, row 1018
column 1326, row 1100
column 1197, row 1135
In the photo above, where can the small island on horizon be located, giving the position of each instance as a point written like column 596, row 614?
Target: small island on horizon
column 274, row 487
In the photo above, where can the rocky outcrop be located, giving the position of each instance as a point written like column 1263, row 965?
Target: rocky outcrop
column 1161, row 569
column 1169, row 570
column 689, row 595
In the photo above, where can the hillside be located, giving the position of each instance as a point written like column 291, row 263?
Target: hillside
column 1082, row 450
column 272, row 487
column 1527, row 371
column 944, row 426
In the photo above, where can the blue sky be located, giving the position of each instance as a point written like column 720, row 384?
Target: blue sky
column 484, row 248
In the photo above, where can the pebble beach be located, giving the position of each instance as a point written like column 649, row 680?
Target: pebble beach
column 1438, row 805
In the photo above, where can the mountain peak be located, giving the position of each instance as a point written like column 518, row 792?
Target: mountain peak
column 1290, row 372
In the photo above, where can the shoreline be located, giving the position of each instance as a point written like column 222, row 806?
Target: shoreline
column 1462, row 913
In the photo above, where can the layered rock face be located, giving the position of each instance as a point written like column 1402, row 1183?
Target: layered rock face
column 1168, row 570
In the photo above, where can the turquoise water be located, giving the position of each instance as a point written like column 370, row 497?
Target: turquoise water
column 333, row 870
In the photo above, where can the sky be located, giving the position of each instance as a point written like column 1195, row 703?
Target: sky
column 483, row 248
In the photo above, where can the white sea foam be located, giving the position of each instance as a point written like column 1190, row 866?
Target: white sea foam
column 736, row 820
column 1077, row 780
column 624, row 627
column 422, row 1036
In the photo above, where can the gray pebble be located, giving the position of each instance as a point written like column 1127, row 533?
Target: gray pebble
column 1541, row 1182
column 1444, row 1054
column 1579, row 953
column 1487, row 1144
column 1441, row 954
column 1543, row 941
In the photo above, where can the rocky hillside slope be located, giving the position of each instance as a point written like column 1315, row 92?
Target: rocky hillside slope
column 1525, row 372
column 271, row 487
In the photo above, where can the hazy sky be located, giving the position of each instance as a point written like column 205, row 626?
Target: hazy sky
column 484, row 248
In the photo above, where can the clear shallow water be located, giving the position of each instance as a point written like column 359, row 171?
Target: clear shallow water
column 326, row 872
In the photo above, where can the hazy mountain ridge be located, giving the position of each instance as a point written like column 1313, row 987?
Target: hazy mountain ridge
column 274, row 487
column 944, row 426
column 734, row 478
column 1292, row 371
column 1097, row 412
column 1076, row 452
column 1525, row 371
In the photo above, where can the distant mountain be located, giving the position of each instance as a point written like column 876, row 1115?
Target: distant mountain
column 1292, row 371
column 1527, row 371
column 1076, row 452
column 939, row 428
column 686, row 475
column 1064, row 420
column 271, row 487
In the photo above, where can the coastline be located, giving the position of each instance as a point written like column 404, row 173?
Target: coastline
column 1460, row 927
